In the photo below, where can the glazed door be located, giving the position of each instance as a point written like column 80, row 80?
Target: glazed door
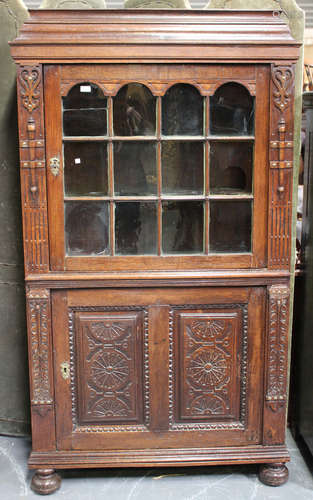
column 158, row 368
column 157, row 167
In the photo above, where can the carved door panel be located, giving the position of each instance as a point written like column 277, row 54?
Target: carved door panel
column 158, row 368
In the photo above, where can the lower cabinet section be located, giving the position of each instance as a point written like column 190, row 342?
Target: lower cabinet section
column 158, row 376
column 158, row 368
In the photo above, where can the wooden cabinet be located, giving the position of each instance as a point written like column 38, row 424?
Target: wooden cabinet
column 156, row 176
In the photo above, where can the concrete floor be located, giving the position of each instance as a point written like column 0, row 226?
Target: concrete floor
column 211, row 483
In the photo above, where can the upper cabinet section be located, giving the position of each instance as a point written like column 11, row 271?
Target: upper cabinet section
column 153, row 36
column 154, row 140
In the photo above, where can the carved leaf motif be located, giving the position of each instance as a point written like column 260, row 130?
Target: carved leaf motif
column 208, row 405
column 205, row 329
column 283, row 81
column 208, row 368
column 106, row 330
column 111, row 407
column 30, row 79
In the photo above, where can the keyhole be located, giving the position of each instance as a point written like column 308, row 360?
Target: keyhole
column 65, row 370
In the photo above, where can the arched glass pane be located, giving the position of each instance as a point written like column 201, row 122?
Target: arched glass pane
column 84, row 95
column 231, row 167
column 85, row 111
column 134, row 111
column 182, row 111
column 232, row 111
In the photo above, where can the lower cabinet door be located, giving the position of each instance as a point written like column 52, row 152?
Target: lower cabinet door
column 158, row 368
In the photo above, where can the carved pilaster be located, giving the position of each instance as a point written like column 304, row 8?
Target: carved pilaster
column 276, row 363
column 40, row 362
column 281, row 164
column 32, row 161
column 40, row 346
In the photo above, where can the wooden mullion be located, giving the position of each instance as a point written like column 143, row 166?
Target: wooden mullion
column 111, row 173
column 206, row 191
column 159, row 171
column 206, row 227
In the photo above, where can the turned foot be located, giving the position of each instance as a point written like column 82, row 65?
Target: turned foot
column 274, row 474
column 45, row 481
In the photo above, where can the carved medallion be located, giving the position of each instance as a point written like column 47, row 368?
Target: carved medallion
column 208, row 368
column 110, row 370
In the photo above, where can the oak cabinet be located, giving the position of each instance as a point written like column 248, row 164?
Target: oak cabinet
column 156, row 180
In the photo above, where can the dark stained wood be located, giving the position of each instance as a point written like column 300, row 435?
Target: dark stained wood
column 156, row 360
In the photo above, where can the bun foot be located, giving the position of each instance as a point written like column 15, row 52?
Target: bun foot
column 274, row 474
column 45, row 481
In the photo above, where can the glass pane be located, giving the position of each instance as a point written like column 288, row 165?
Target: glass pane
column 87, row 228
column 232, row 110
column 85, row 169
column 231, row 167
column 134, row 111
column 89, row 122
column 182, row 167
column 135, row 168
column 230, row 226
column 182, row 111
column 84, row 95
column 135, row 228
column 182, row 230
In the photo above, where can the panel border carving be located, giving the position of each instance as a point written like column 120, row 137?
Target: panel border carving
column 239, row 425
column 79, row 428
column 277, row 349
column 39, row 317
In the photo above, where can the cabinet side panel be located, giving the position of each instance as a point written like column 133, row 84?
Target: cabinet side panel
column 32, row 163
column 276, row 362
column 41, row 376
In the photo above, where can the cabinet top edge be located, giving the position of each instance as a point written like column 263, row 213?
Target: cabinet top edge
column 65, row 29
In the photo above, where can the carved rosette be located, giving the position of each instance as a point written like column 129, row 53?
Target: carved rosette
column 38, row 308
column 281, row 164
column 277, row 350
column 32, row 161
